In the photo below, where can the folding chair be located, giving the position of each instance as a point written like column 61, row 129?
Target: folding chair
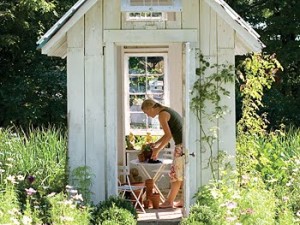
column 128, row 188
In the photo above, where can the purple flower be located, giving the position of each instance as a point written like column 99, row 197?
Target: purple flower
column 30, row 179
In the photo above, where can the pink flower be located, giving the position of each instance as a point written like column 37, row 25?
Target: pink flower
column 30, row 191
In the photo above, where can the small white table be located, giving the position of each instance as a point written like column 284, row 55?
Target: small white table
column 161, row 166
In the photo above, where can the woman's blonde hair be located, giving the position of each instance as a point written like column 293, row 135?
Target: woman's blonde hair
column 150, row 103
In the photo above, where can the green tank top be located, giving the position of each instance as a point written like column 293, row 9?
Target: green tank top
column 175, row 124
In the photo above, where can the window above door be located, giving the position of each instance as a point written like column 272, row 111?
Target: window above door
column 151, row 5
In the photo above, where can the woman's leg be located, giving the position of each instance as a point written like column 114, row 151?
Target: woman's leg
column 176, row 176
column 175, row 186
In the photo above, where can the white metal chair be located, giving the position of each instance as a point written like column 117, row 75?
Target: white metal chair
column 129, row 188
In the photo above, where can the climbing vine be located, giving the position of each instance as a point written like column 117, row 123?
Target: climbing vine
column 255, row 74
column 207, row 92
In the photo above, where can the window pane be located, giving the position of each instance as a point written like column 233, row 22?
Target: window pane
column 155, row 85
column 138, row 120
column 137, row 65
column 151, row 2
column 135, row 102
column 137, row 84
column 155, row 65
column 153, row 123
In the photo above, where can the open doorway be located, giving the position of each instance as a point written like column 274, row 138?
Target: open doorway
column 150, row 72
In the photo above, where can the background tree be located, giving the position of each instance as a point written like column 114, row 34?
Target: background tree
column 32, row 86
column 278, row 23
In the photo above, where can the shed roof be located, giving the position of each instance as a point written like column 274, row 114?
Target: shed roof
column 244, row 31
column 49, row 34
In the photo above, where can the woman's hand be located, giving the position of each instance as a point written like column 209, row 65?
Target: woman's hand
column 155, row 152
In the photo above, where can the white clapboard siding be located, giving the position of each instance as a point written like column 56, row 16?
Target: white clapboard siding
column 226, row 49
column 111, row 14
column 190, row 14
column 208, row 48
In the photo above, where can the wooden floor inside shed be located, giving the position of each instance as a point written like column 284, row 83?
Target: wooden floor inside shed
column 161, row 216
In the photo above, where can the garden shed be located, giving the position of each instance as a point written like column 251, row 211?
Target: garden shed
column 120, row 52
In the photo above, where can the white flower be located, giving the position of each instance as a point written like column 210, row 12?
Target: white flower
column 26, row 220
column 12, row 179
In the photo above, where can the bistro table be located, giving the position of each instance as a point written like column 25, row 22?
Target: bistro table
column 160, row 166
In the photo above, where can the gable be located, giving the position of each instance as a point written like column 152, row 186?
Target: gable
column 247, row 37
column 54, row 41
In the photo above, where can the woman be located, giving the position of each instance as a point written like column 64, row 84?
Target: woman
column 171, row 123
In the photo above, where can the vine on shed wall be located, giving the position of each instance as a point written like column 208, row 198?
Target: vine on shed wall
column 208, row 91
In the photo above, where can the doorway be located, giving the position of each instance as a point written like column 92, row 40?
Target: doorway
column 150, row 72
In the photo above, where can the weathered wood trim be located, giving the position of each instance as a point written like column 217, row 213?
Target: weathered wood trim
column 75, row 92
column 150, row 36
column 174, row 66
column 60, row 49
column 94, row 101
column 111, row 133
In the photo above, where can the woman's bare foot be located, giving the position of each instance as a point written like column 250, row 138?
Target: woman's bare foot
column 178, row 204
column 165, row 205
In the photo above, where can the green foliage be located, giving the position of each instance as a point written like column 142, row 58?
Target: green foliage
column 9, row 210
column 256, row 73
column 65, row 211
column 41, row 154
column 107, row 209
column 233, row 201
column 277, row 22
column 82, row 179
column 33, row 86
column 265, row 187
column 115, row 215
column 208, row 90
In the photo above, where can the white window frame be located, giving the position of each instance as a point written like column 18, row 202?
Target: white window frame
column 126, row 91
column 164, row 17
column 176, row 7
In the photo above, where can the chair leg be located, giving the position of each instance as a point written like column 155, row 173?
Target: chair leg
column 137, row 200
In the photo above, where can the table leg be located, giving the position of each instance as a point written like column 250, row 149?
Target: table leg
column 145, row 172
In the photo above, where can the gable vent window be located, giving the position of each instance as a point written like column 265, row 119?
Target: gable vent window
column 151, row 6
column 146, row 16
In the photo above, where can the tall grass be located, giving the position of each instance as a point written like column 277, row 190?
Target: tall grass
column 33, row 182
column 40, row 154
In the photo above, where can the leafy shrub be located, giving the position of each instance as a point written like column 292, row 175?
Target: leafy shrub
column 113, row 202
column 115, row 215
